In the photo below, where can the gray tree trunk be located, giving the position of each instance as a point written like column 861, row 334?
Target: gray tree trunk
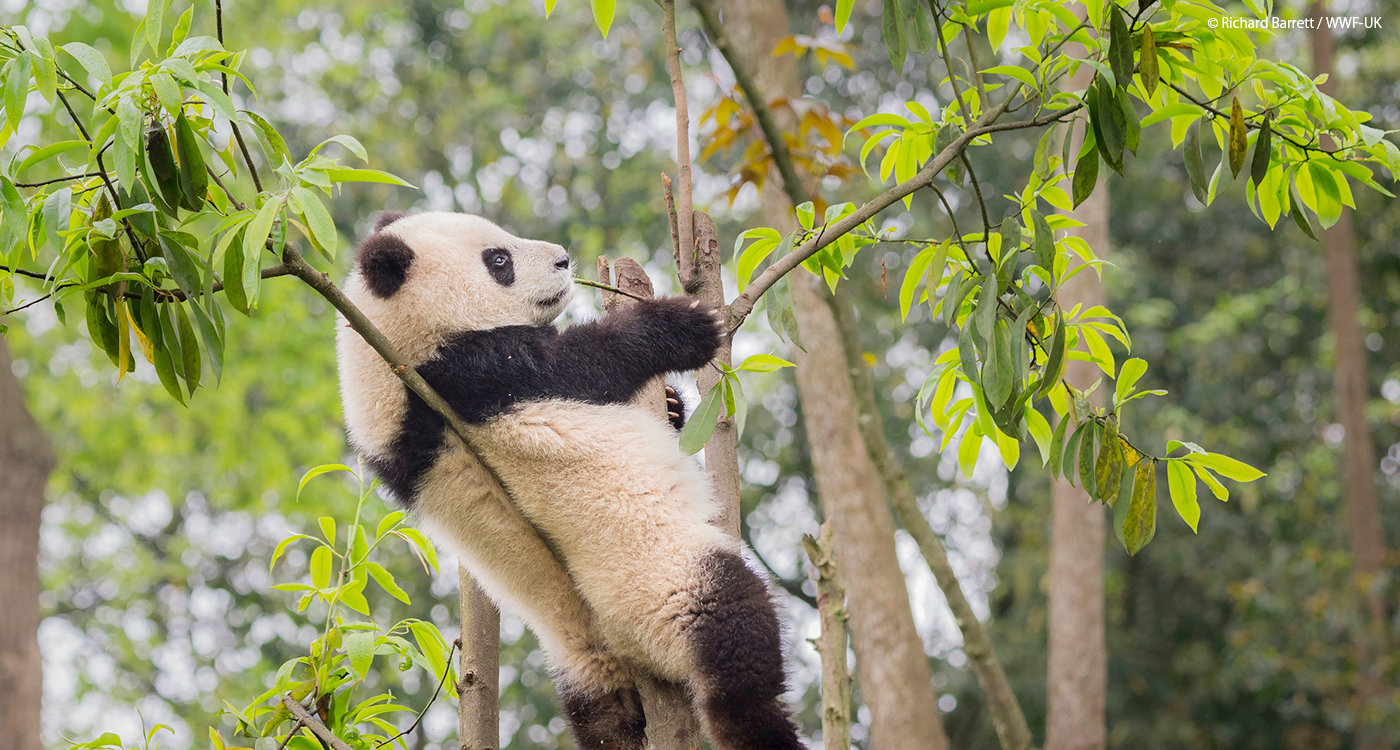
column 1078, row 668
column 25, row 463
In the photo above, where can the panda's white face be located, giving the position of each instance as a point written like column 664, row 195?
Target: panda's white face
column 430, row 274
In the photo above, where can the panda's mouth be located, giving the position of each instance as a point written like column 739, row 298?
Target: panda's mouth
column 556, row 299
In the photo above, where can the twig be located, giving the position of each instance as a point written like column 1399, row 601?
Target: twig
column 684, row 214
column 69, row 178
column 237, row 134
column 296, row 727
column 949, row 209
column 977, row 188
column 445, row 670
column 314, row 724
column 237, row 203
column 26, row 305
column 606, row 288
column 976, row 68
column 671, row 214
column 831, row 645
column 762, row 113
column 1253, row 126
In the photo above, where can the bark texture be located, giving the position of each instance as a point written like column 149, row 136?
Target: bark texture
column 25, row 462
column 832, row 643
column 478, row 716
column 1358, row 472
column 1078, row 661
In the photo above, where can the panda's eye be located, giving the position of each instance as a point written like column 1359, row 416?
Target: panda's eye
column 499, row 259
column 499, row 264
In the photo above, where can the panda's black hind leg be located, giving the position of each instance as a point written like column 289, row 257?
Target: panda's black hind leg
column 610, row 721
column 675, row 408
column 739, row 660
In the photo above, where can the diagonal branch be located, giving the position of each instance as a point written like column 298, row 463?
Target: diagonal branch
column 314, row 724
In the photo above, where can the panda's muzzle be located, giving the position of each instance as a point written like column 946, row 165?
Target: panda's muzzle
column 556, row 299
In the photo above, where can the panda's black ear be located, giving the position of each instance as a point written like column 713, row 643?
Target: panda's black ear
column 387, row 218
column 384, row 260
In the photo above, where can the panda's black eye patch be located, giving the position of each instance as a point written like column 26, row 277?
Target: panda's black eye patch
column 500, row 265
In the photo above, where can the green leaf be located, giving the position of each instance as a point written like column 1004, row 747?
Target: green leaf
column 47, row 152
column 999, row 374
column 352, row 596
column 1057, row 445
column 1086, row 176
column 1195, row 165
column 702, row 423
column 327, row 525
column 969, row 447
column 1147, row 64
column 892, row 24
column 421, row 543
column 764, row 363
column 386, row 581
column 177, row 259
column 340, row 174
column 1070, row 466
column 270, row 134
column 1055, row 361
column 1225, row 466
column 182, row 28
column 1216, row 488
column 1172, row 111
column 916, row 273
column 1087, row 478
column 282, row 547
column 189, row 347
column 91, row 60
column 321, row 567
column 231, row 244
column 318, row 220
column 1238, row 143
column 603, row 11
column 17, row 88
column 1039, row 429
column 1020, row 74
column 1120, row 50
column 843, row 14
column 389, row 522
column 255, row 237
column 1044, row 242
column 1042, row 153
column 318, row 471
column 1128, row 376
column 1140, row 523
column 1181, row 484
column 359, row 646
column 194, row 180
column 1108, row 472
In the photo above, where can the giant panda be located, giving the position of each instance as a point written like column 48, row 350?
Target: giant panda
column 645, row 581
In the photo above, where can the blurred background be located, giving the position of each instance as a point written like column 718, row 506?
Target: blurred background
column 160, row 519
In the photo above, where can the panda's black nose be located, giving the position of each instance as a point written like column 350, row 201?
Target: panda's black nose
column 562, row 264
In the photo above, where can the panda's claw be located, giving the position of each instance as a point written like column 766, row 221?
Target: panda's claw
column 675, row 410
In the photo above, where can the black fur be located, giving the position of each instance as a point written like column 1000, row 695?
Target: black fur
column 738, row 647
column 500, row 265
column 384, row 261
column 675, row 413
column 387, row 218
column 485, row 373
column 614, row 721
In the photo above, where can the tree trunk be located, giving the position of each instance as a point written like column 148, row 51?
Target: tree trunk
column 1078, row 660
column 1349, row 383
column 893, row 670
column 25, row 462
column 478, row 688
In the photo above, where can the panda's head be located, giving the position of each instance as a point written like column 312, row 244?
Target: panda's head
column 425, row 275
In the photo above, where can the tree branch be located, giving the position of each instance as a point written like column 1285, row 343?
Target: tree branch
column 684, row 228
column 314, row 724
column 237, row 134
column 69, row 178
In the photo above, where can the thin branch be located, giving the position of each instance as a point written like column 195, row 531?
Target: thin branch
column 685, row 208
column 976, row 68
column 671, row 214
column 237, row 203
column 777, row 145
column 237, row 134
column 949, row 209
column 314, row 724
column 26, row 305
column 607, row 288
column 296, row 727
column 445, row 671
column 1250, row 125
column 69, row 178
column 977, row 188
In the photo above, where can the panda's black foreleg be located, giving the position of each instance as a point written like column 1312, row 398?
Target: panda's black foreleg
column 675, row 408
column 739, row 660
column 611, row 721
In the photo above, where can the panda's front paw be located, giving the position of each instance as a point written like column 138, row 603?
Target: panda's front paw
column 690, row 330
